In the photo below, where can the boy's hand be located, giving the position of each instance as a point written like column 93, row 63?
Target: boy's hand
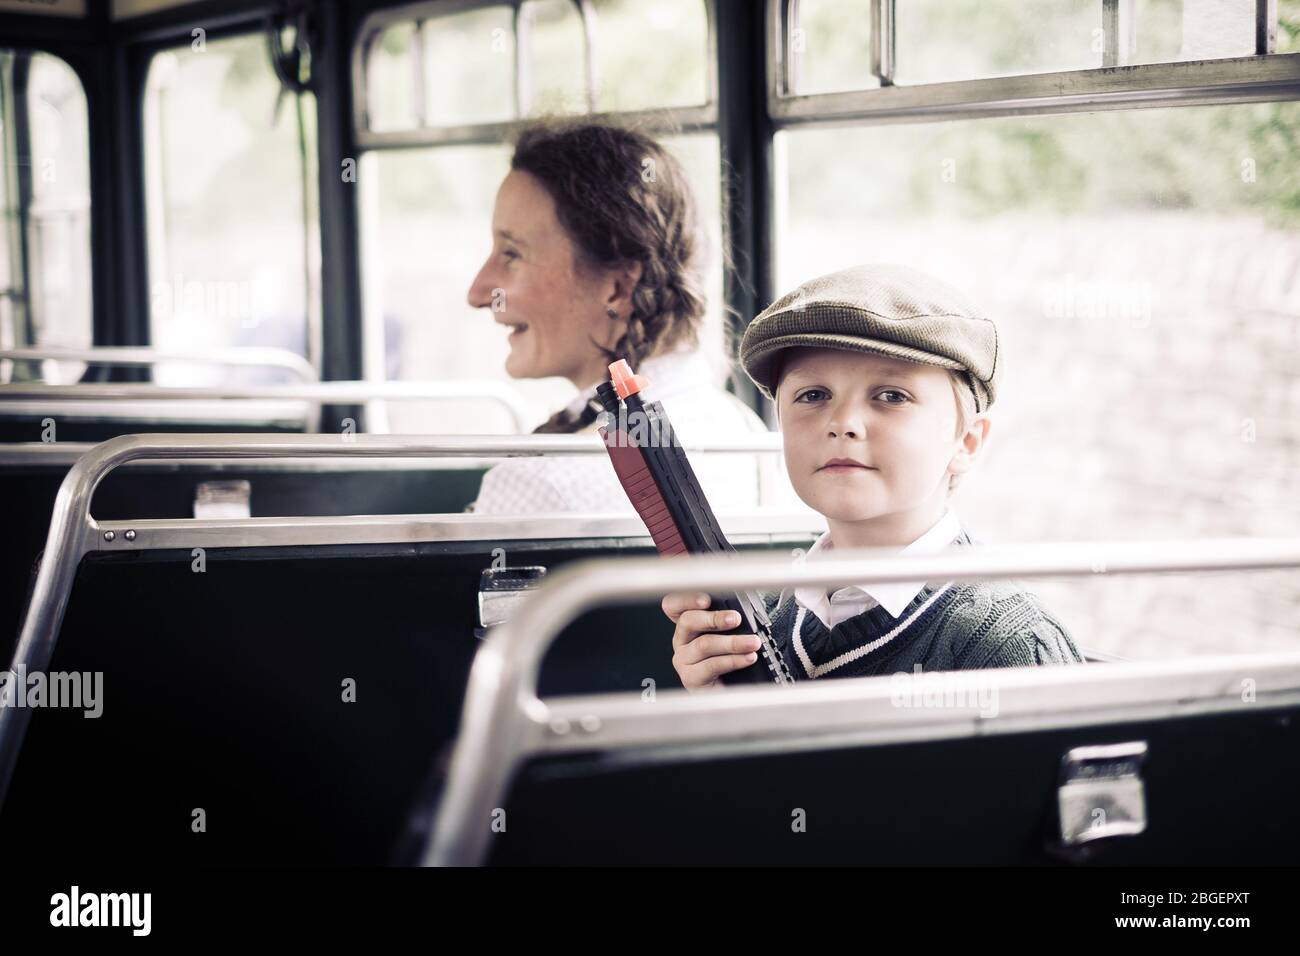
column 699, row 656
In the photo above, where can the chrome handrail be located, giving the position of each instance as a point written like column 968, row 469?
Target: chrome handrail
column 73, row 531
column 150, row 534
column 67, row 453
column 252, row 356
column 503, row 720
column 319, row 393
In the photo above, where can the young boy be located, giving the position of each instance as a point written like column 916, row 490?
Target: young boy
column 882, row 379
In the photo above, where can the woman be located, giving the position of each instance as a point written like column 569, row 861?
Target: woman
column 594, row 258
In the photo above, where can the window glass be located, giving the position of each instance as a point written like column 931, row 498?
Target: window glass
column 830, row 47
column 428, row 226
column 651, row 55
column 1288, row 26
column 943, row 40
column 231, row 182
column 940, row 40
column 1174, row 30
column 1144, row 270
column 391, row 79
column 45, row 264
column 459, row 69
column 469, row 67
column 554, row 58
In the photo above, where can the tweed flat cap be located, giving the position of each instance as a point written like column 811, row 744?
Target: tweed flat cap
column 882, row 309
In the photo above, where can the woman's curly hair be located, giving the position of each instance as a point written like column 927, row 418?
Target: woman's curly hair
column 622, row 197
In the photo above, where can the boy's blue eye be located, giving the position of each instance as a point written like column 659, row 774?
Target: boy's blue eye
column 902, row 397
column 812, row 391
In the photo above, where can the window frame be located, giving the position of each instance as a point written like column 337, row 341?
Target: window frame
column 689, row 119
column 144, row 54
column 1263, row 77
column 708, row 117
column 19, row 136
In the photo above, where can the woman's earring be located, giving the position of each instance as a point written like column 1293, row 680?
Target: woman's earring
column 611, row 312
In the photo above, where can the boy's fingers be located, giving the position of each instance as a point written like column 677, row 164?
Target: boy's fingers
column 715, row 667
column 708, row 646
column 691, row 624
column 711, row 620
column 674, row 604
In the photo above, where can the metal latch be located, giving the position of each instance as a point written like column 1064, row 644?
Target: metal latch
column 1101, row 793
column 500, row 590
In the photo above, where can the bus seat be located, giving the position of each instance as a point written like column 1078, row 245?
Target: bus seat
column 982, row 800
column 224, row 691
column 159, row 491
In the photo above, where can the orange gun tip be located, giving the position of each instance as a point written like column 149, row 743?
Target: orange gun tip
column 626, row 382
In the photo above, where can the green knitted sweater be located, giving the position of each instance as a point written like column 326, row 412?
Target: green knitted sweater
column 948, row 626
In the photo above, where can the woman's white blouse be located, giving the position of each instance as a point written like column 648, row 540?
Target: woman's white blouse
column 700, row 412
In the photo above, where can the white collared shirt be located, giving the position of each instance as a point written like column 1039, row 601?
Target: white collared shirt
column 894, row 597
column 700, row 410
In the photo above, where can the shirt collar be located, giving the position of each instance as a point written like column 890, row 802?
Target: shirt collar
column 894, row 597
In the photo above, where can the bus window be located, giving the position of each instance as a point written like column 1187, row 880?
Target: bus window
column 828, row 44
column 1287, row 37
column 231, row 186
column 448, row 71
column 1167, row 31
column 651, row 54
column 941, row 40
column 551, row 33
column 392, row 96
column 829, row 48
column 449, row 90
column 1143, row 264
column 45, row 290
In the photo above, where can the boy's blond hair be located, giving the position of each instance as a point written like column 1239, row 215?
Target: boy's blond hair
column 966, row 414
